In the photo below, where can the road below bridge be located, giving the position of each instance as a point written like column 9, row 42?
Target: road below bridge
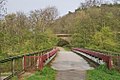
column 70, row 66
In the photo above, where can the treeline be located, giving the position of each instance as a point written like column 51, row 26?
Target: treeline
column 21, row 33
column 93, row 26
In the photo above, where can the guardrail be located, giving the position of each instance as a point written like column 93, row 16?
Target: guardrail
column 115, row 57
column 107, row 59
column 38, row 61
column 111, row 53
column 18, row 64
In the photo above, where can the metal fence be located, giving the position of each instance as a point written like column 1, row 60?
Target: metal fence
column 15, row 65
column 115, row 57
column 97, row 55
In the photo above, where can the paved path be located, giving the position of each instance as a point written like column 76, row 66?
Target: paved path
column 70, row 66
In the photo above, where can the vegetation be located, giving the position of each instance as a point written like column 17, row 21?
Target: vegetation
column 14, row 78
column 102, row 73
column 46, row 74
column 93, row 25
column 20, row 33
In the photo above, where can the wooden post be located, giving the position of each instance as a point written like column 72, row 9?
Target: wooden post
column 0, row 73
column 118, row 61
column 13, row 66
column 24, row 62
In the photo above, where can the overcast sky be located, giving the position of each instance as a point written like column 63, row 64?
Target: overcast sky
column 63, row 6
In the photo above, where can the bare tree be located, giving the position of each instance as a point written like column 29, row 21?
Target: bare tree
column 3, row 10
column 116, row 1
column 90, row 3
column 43, row 18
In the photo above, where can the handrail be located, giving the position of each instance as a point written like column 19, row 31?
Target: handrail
column 106, row 52
column 20, row 56
column 15, row 64
column 105, row 58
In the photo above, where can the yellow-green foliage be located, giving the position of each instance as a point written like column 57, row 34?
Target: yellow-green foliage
column 93, row 27
column 21, row 34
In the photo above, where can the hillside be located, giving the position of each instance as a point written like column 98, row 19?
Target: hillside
column 93, row 27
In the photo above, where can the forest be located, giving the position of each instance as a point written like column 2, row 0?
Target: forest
column 92, row 25
column 21, row 33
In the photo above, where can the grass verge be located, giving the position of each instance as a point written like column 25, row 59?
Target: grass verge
column 46, row 74
column 102, row 73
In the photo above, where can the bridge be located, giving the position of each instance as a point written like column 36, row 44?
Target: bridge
column 65, row 60
column 64, row 36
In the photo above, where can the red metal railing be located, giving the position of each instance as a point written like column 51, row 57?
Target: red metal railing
column 40, row 59
column 107, row 59
column 16, row 65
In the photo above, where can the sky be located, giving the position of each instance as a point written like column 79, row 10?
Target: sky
column 63, row 6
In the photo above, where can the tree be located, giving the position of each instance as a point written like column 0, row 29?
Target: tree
column 22, row 34
column 90, row 3
column 105, row 39
column 116, row 1
column 3, row 10
column 42, row 18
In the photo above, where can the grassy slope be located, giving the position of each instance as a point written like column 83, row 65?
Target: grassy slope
column 102, row 73
column 46, row 74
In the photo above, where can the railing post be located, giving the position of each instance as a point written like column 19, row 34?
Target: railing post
column 110, row 63
column 24, row 63
column 29, row 61
column 0, row 73
column 118, row 61
column 34, row 61
column 12, row 66
column 40, row 62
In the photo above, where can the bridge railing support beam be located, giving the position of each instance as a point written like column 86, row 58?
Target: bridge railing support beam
column 24, row 63
column 110, row 63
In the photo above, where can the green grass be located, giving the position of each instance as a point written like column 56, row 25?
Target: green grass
column 102, row 73
column 46, row 74
column 66, row 48
column 14, row 78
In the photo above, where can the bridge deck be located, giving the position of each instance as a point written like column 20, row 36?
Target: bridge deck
column 70, row 66
column 64, row 35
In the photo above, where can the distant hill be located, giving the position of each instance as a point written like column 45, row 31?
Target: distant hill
column 106, row 15
column 92, row 27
